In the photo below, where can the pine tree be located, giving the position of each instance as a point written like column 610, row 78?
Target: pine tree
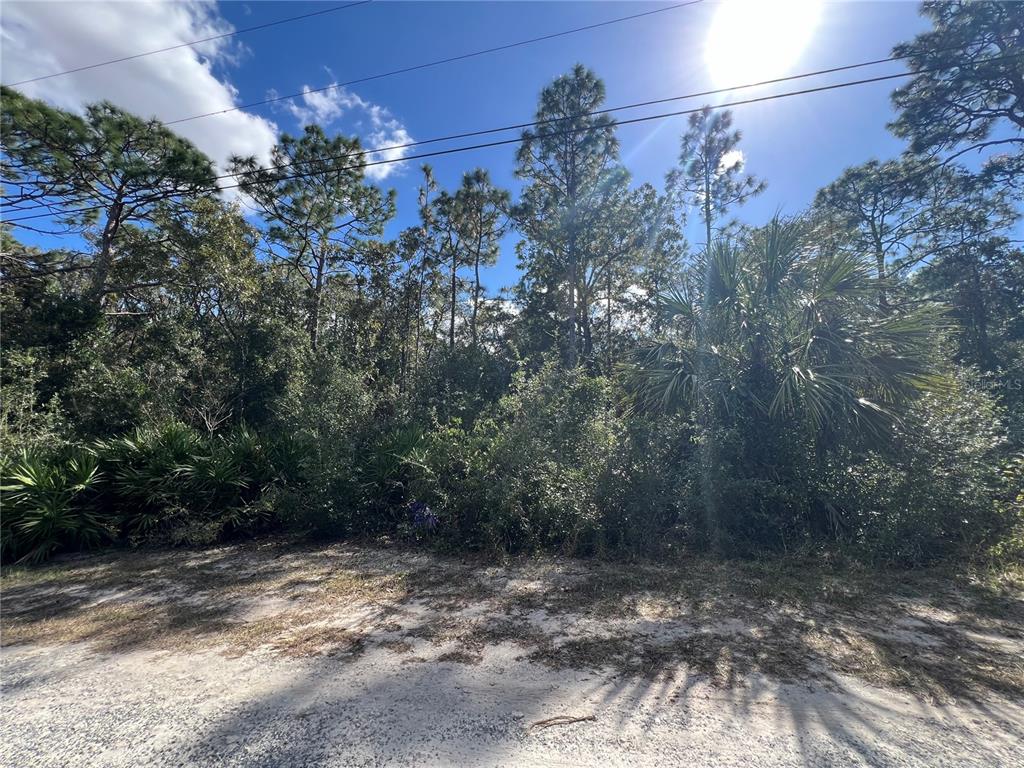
column 96, row 174
column 968, row 93
column 570, row 163
column 317, row 207
column 710, row 175
column 480, row 209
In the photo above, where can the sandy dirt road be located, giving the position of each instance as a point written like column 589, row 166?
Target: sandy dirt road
column 355, row 657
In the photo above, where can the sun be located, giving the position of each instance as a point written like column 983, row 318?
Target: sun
column 754, row 40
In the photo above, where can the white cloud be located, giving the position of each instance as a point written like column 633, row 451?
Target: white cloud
column 731, row 159
column 322, row 106
column 387, row 132
column 504, row 305
column 377, row 126
column 40, row 38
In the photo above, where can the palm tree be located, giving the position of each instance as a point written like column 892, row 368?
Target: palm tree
column 773, row 336
column 775, row 321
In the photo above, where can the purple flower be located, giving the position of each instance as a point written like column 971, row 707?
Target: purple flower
column 422, row 516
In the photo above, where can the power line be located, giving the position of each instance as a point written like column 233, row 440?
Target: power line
column 391, row 73
column 438, row 62
column 631, row 121
column 603, row 111
column 606, row 110
column 189, row 44
column 570, row 131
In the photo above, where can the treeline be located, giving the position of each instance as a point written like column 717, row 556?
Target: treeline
column 183, row 370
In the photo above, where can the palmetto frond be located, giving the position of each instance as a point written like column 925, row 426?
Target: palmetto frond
column 677, row 306
column 794, row 331
column 663, row 377
column 773, row 255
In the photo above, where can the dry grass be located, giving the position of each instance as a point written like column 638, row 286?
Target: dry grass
column 460, row 656
column 397, row 646
column 320, row 641
column 937, row 634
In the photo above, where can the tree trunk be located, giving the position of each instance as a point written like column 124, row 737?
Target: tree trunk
column 707, row 437
column 572, row 353
column 314, row 308
column 588, row 332
column 476, row 281
column 608, row 312
column 571, row 357
column 105, row 258
column 454, row 296
column 707, row 205
column 419, row 313
column 979, row 319
column 571, row 196
column 883, row 300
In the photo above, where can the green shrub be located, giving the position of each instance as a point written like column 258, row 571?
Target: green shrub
column 643, row 491
column 171, row 483
column 1008, row 549
column 527, row 475
column 458, row 385
column 47, row 505
column 384, row 475
column 935, row 492
column 27, row 422
column 330, row 412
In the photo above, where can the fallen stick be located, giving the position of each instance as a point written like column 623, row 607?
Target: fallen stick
column 561, row 720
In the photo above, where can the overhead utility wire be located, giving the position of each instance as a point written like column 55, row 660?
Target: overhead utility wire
column 606, row 110
column 99, row 64
column 567, row 132
column 396, row 72
column 438, row 62
column 603, row 111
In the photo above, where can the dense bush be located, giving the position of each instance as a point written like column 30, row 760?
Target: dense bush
column 167, row 484
column 460, row 384
column 171, row 483
column 555, row 464
column 646, row 495
column 527, row 474
column 28, row 419
column 49, row 504
column 940, row 487
column 328, row 411
column 848, row 376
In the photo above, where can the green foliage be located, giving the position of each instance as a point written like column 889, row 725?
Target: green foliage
column 27, row 421
column 586, row 231
column 166, row 483
column 937, row 490
column 966, row 94
column 319, row 217
column 849, row 378
column 526, row 476
column 1009, row 549
column 457, row 386
column 47, row 502
column 710, row 176
column 775, row 326
column 170, row 483
column 779, row 355
column 645, row 490
column 385, row 478
column 328, row 410
column 98, row 173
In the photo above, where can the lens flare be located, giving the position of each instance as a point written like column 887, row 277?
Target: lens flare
column 753, row 40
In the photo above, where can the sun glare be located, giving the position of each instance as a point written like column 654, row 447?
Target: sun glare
column 752, row 40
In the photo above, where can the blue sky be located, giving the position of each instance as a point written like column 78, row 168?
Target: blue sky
column 796, row 144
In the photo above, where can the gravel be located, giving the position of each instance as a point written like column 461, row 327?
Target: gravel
column 71, row 706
